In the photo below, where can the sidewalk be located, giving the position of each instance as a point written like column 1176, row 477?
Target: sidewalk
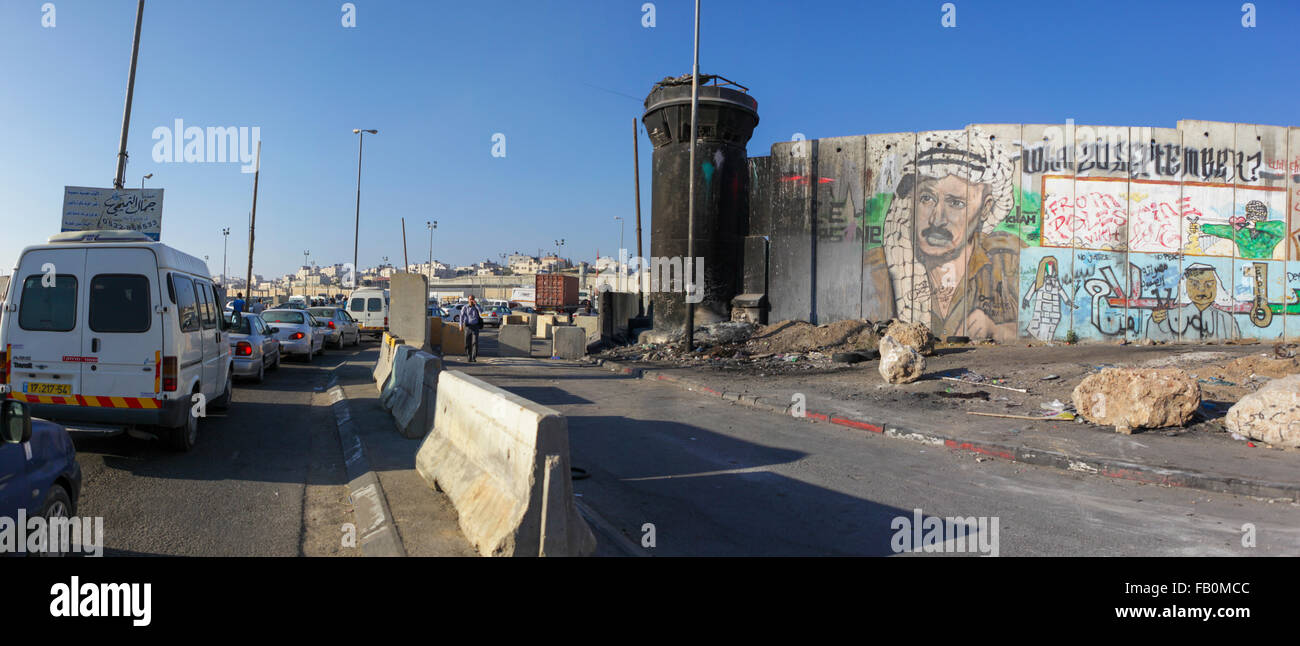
column 424, row 518
column 934, row 411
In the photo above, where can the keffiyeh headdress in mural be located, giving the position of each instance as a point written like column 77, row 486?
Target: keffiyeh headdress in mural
column 972, row 155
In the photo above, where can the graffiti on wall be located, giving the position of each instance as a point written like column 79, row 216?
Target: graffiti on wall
column 942, row 257
column 976, row 233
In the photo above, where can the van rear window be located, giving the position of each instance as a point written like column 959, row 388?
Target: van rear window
column 358, row 305
column 120, row 303
column 373, row 305
column 49, row 309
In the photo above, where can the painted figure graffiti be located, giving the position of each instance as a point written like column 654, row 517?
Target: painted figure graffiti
column 947, row 267
column 1051, row 298
column 1205, row 316
column 1256, row 236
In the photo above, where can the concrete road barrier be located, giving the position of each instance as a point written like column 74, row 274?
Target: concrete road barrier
column 514, row 340
column 384, row 366
column 504, row 463
column 435, row 335
column 411, row 394
column 453, row 339
column 516, row 319
column 544, row 323
column 570, row 342
column 590, row 324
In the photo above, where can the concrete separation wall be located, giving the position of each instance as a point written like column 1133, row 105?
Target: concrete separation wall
column 408, row 310
column 504, row 463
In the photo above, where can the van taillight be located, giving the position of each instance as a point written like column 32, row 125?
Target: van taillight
column 244, row 349
column 4, row 365
column 169, row 374
column 385, row 321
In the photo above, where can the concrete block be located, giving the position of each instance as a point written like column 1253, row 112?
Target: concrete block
column 435, row 335
column 570, row 342
column 408, row 309
column 517, row 319
column 453, row 340
column 411, row 394
column 590, row 325
column 544, row 324
column 503, row 461
column 384, row 366
column 514, row 340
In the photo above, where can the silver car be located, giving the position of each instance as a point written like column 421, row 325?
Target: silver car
column 297, row 332
column 343, row 329
column 253, row 346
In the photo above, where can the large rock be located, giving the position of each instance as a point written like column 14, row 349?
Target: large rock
column 1132, row 398
column 913, row 335
column 899, row 363
column 1270, row 414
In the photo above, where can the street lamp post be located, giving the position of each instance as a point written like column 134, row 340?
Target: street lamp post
column 431, row 226
column 225, row 232
column 361, row 137
column 620, row 235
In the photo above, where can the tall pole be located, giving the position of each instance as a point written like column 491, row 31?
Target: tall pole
column 252, row 217
column 357, row 229
column 130, row 92
column 225, row 249
column 406, row 261
column 689, row 265
column 636, row 174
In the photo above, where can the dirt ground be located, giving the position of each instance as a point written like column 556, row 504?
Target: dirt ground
column 1049, row 373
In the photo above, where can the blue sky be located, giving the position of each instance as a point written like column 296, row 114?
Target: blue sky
column 562, row 81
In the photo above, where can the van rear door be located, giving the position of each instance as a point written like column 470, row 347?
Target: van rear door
column 123, row 333
column 44, row 334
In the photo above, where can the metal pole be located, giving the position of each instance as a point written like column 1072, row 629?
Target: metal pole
column 406, row 262
column 130, row 92
column 356, row 231
column 636, row 174
column 430, row 224
column 689, row 265
column 225, row 250
column 252, row 217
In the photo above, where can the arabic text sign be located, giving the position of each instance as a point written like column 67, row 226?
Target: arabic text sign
column 132, row 209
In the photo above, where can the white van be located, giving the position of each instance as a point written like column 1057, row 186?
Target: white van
column 369, row 306
column 111, row 331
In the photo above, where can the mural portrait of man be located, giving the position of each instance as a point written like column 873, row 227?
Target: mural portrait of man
column 1198, row 319
column 947, row 267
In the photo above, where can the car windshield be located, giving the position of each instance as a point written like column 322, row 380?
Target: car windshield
column 240, row 326
column 282, row 317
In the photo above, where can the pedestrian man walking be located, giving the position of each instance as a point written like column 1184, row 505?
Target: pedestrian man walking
column 238, row 304
column 471, row 321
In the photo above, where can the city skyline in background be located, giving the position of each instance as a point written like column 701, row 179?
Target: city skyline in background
column 440, row 83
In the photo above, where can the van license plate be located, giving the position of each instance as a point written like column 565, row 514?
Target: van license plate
column 36, row 388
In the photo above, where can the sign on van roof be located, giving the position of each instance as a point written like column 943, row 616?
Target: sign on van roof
column 131, row 209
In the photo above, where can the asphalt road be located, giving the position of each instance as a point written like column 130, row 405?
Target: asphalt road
column 720, row 479
column 266, row 478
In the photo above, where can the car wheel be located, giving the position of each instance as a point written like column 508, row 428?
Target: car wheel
column 223, row 401
column 185, row 436
column 339, row 345
column 58, row 504
column 276, row 365
column 261, row 373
